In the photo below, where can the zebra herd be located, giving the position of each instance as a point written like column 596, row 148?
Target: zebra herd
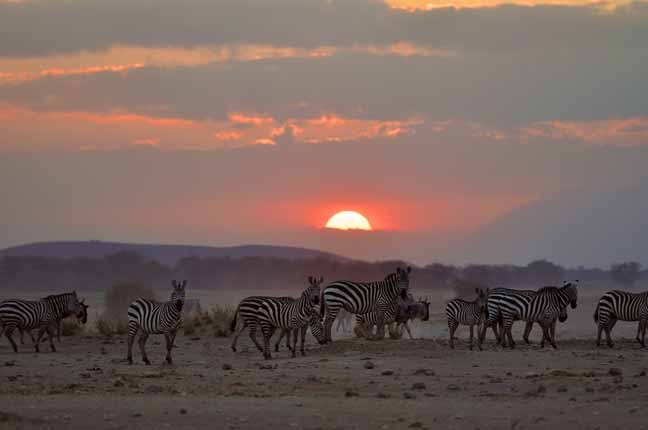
column 387, row 302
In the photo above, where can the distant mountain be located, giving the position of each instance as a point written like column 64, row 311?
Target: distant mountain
column 587, row 228
column 167, row 254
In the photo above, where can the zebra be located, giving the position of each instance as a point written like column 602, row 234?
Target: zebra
column 494, row 316
column 316, row 326
column 543, row 307
column 148, row 317
column 43, row 314
column 361, row 298
column 366, row 322
column 619, row 305
column 295, row 314
column 81, row 314
column 247, row 316
column 467, row 313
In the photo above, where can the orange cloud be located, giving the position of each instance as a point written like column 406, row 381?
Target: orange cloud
column 122, row 58
column 28, row 130
column 622, row 132
column 418, row 5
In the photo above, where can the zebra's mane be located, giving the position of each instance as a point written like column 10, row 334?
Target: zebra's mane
column 56, row 296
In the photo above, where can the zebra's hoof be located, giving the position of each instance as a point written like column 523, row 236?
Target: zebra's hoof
column 53, row 349
column 233, row 349
column 129, row 360
column 147, row 361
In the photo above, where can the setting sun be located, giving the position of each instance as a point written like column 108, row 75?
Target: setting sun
column 348, row 220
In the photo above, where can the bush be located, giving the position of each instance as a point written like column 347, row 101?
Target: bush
column 221, row 318
column 70, row 327
column 114, row 319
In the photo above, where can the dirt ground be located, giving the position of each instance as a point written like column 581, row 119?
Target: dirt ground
column 350, row 384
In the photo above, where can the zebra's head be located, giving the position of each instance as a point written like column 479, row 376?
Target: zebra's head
column 482, row 298
column 178, row 294
column 563, row 315
column 312, row 293
column 316, row 326
column 402, row 279
column 82, row 311
column 571, row 288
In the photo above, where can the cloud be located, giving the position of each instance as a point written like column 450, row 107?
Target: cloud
column 426, row 5
column 620, row 132
column 35, row 131
column 52, row 26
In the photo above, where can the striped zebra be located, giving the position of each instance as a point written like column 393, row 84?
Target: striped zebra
column 619, row 305
column 363, row 297
column 495, row 318
column 292, row 315
column 247, row 316
column 544, row 307
column 316, row 326
column 43, row 315
column 81, row 316
column 148, row 317
column 366, row 322
column 467, row 313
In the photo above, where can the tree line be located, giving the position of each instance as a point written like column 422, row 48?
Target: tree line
column 60, row 274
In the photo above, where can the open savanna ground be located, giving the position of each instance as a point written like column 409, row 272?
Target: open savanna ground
column 390, row 384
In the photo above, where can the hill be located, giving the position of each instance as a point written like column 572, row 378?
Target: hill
column 166, row 254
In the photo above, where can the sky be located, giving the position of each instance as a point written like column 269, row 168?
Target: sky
column 465, row 131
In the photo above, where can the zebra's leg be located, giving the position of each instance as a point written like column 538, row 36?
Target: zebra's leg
column 253, row 328
column 472, row 327
column 640, row 327
column 527, row 331
column 331, row 314
column 282, row 333
column 643, row 333
column 237, row 332
column 452, row 327
column 303, row 339
column 506, row 332
column 267, row 334
column 8, row 331
column 608, row 332
column 409, row 333
column 142, row 343
column 170, row 337
column 600, row 331
column 50, row 329
column 59, row 324
column 22, row 335
column 132, row 331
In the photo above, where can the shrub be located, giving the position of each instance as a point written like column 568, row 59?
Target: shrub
column 114, row 319
column 221, row 318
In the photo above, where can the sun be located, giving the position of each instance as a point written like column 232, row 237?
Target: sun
column 349, row 220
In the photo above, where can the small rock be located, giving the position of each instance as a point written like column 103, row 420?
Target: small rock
column 351, row 393
column 387, row 373
column 418, row 386
column 227, row 366
column 453, row 387
column 119, row 383
column 10, row 363
column 409, row 395
column 136, row 415
column 496, row 380
column 382, row 395
column 183, row 411
column 562, row 389
column 633, row 409
column 425, row 372
column 642, row 373
column 416, row 425
column 615, row 371
column 542, row 389
column 589, row 389
column 369, row 365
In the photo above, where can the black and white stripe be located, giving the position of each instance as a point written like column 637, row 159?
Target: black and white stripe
column 619, row 305
column 366, row 322
column 148, row 317
column 43, row 315
column 363, row 297
column 544, row 307
column 247, row 316
column 315, row 324
column 294, row 314
column 463, row 312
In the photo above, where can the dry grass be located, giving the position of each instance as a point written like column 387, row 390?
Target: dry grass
column 71, row 327
column 216, row 322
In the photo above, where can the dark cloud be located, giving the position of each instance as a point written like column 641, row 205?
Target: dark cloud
column 44, row 27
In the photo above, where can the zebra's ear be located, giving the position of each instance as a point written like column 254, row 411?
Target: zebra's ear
column 174, row 283
column 409, row 269
column 310, row 279
column 184, row 283
column 398, row 270
column 321, row 279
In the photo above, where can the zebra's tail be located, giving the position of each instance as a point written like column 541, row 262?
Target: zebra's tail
column 596, row 314
column 233, row 323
